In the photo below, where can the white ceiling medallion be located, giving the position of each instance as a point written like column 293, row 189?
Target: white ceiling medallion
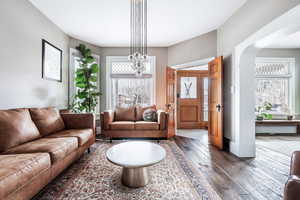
column 138, row 36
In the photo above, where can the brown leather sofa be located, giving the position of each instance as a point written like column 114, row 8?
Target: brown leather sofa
column 292, row 186
column 36, row 145
column 129, row 123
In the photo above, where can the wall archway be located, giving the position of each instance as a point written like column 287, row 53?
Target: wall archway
column 243, row 60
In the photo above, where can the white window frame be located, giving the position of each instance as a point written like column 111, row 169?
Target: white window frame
column 291, row 62
column 110, row 60
column 76, row 53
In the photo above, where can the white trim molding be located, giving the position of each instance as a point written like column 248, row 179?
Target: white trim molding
column 193, row 63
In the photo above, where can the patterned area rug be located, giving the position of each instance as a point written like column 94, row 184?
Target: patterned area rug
column 93, row 177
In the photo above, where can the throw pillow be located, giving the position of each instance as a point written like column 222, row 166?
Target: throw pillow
column 16, row 127
column 140, row 111
column 150, row 115
column 47, row 120
column 125, row 114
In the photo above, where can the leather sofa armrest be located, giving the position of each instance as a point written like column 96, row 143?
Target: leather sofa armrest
column 295, row 163
column 79, row 121
column 162, row 119
column 107, row 117
column 292, row 188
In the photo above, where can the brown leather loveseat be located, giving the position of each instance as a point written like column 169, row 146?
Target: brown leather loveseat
column 292, row 186
column 129, row 123
column 36, row 145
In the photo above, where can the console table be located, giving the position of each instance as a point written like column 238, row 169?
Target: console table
column 269, row 123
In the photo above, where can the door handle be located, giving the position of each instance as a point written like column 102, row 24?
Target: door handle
column 218, row 106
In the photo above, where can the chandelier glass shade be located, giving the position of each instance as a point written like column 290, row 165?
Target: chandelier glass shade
column 138, row 36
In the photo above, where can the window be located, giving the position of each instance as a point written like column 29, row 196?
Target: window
column 124, row 89
column 275, row 84
column 205, row 99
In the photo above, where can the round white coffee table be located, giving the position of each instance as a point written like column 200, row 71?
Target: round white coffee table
column 135, row 157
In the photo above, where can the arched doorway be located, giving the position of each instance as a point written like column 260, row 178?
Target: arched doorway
column 243, row 61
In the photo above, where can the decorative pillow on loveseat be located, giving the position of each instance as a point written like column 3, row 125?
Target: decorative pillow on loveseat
column 150, row 115
column 140, row 111
column 125, row 114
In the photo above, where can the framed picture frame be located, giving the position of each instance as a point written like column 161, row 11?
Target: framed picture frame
column 51, row 62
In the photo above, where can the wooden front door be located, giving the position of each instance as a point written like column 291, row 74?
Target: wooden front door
column 171, row 99
column 215, row 127
column 190, row 99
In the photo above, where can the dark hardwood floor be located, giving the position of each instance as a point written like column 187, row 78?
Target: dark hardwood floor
column 233, row 178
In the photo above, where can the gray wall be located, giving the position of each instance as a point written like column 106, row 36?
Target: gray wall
column 249, row 19
column 22, row 29
column 198, row 48
column 287, row 53
column 161, row 54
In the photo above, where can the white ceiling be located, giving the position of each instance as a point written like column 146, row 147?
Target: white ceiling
column 291, row 41
column 106, row 22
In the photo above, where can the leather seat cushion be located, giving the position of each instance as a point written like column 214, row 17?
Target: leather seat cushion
column 142, row 125
column 140, row 111
column 122, row 125
column 124, row 114
column 16, row 127
column 58, row 148
column 18, row 170
column 83, row 135
column 47, row 120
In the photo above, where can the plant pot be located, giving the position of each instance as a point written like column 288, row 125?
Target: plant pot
column 290, row 117
column 260, row 118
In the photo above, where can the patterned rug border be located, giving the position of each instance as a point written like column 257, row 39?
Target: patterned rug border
column 190, row 170
column 187, row 166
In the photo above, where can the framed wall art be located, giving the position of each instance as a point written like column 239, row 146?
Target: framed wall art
column 51, row 62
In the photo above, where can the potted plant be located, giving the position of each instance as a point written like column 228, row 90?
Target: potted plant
column 86, row 78
column 263, row 111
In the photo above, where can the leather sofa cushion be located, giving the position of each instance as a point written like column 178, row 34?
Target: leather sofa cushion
column 58, row 148
column 18, row 170
column 16, row 127
column 140, row 111
column 82, row 135
column 48, row 120
column 124, row 114
column 142, row 125
column 122, row 125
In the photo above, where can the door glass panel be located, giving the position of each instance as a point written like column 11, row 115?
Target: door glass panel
column 205, row 99
column 188, row 87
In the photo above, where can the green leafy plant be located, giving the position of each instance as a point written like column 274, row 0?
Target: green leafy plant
column 263, row 111
column 86, row 76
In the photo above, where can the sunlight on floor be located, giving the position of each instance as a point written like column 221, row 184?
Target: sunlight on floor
column 281, row 144
column 192, row 133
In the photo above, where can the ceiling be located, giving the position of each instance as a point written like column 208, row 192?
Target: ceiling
column 106, row 22
column 290, row 41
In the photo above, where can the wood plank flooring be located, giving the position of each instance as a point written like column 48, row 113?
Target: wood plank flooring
column 233, row 178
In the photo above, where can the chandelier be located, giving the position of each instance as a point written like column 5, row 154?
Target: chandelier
column 138, row 37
